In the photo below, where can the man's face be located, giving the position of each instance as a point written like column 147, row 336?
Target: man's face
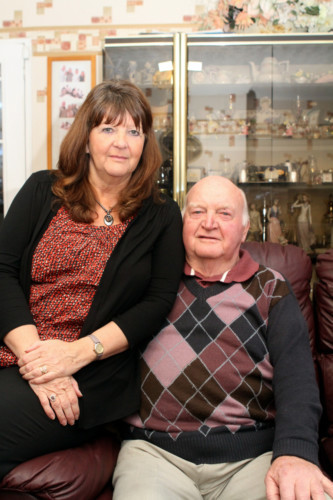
column 213, row 222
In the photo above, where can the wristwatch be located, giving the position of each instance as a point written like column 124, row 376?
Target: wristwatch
column 98, row 346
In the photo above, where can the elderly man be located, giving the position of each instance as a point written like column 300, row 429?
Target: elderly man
column 230, row 406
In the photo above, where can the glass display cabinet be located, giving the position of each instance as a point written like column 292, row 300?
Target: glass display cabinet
column 257, row 109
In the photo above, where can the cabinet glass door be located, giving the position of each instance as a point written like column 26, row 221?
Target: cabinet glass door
column 222, row 102
column 148, row 61
column 302, row 138
column 260, row 112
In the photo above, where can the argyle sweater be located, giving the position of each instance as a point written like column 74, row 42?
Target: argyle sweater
column 208, row 376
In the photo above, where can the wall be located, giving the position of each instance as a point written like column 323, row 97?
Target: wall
column 72, row 27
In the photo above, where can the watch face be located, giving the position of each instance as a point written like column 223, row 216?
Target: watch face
column 99, row 349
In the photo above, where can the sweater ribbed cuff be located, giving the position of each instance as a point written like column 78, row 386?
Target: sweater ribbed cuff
column 297, row 448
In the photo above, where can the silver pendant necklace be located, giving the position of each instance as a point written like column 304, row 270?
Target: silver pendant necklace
column 108, row 219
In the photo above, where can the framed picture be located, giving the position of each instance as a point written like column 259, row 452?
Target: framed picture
column 69, row 80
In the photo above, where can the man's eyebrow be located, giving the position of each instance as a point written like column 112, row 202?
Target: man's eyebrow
column 194, row 204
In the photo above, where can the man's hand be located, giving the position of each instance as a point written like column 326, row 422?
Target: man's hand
column 292, row 478
column 59, row 399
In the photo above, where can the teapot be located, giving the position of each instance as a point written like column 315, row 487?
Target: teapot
column 270, row 70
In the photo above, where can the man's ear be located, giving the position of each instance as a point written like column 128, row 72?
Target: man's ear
column 245, row 231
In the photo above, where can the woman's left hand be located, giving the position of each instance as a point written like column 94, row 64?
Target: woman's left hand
column 59, row 399
column 47, row 360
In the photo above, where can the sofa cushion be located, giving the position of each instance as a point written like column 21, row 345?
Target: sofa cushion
column 81, row 472
column 296, row 266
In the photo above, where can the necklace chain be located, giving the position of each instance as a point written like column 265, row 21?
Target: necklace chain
column 108, row 218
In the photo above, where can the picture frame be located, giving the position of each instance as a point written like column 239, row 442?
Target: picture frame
column 69, row 80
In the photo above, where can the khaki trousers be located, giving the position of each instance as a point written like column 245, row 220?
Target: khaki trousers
column 145, row 472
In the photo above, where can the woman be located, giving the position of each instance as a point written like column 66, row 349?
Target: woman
column 274, row 225
column 255, row 229
column 304, row 232
column 90, row 260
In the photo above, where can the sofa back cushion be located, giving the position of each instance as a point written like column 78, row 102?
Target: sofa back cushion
column 296, row 266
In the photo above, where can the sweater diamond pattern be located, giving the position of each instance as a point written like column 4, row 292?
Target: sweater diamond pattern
column 210, row 362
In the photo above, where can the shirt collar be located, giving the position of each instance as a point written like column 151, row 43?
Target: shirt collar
column 244, row 268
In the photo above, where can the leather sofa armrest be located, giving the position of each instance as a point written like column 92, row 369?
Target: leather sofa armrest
column 323, row 301
column 81, row 472
column 323, row 306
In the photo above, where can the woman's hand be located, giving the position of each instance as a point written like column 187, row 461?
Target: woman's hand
column 47, row 360
column 59, row 399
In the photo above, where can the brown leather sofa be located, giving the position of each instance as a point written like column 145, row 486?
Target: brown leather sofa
column 85, row 472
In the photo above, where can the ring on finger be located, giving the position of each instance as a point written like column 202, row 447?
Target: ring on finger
column 53, row 397
column 43, row 369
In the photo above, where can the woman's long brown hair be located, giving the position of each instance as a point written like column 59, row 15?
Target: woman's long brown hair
column 109, row 101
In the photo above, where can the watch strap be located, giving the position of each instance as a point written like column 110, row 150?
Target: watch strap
column 96, row 342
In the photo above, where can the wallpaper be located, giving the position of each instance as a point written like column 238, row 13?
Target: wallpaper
column 82, row 25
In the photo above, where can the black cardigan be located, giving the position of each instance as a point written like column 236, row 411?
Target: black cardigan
column 136, row 291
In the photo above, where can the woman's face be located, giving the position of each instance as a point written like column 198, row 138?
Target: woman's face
column 115, row 150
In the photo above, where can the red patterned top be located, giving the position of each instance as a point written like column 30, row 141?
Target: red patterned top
column 67, row 266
